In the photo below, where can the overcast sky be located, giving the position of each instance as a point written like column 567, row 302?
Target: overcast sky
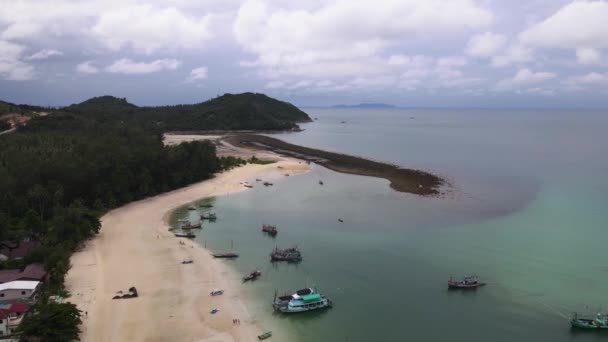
column 461, row 53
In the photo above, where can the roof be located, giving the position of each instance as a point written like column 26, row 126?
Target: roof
column 311, row 297
column 8, row 275
column 31, row 272
column 21, row 250
column 17, row 308
column 20, row 285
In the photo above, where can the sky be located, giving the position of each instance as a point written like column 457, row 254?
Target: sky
column 416, row 53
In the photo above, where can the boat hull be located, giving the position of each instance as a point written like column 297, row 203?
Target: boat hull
column 325, row 304
column 464, row 286
column 587, row 324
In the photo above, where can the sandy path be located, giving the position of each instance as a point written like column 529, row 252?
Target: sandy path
column 134, row 248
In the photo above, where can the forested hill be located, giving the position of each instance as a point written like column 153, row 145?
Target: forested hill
column 246, row 111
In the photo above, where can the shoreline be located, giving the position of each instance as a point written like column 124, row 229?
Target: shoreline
column 135, row 248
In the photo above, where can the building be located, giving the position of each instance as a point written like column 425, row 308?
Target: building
column 19, row 250
column 35, row 272
column 19, row 289
column 10, row 317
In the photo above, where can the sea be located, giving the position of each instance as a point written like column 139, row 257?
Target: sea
column 526, row 210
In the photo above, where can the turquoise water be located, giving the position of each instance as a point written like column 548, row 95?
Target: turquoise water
column 527, row 213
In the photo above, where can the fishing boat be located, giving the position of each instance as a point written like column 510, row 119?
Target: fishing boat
column 188, row 235
column 206, row 206
column 301, row 301
column 248, row 185
column 340, row 220
column 189, row 261
column 210, row 216
column 191, row 208
column 189, row 225
column 288, row 254
column 228, row 255
column 467, row 282
column 258, row 180
column 268, row 184
column 600, row 321
column 252, row 276
column 271, row 230
column 320, row 182
column 265, row 335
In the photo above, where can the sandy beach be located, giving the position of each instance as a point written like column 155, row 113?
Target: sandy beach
column 135, row 248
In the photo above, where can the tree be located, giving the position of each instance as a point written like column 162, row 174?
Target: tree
column 52, row 322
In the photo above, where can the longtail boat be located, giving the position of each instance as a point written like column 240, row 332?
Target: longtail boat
column 210, row 216
column 600, row 321
column 271, row 230
column 229, row 255
column 252, row 276
column 467, row 282
column 189, row 225
column 185, row 235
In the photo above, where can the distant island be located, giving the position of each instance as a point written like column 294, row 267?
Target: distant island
column 365, row 105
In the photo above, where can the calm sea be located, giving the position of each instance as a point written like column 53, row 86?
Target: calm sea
column 527, row 212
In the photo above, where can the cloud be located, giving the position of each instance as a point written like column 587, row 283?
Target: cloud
column 127, row 66
column 197, row 74
column 452, row 61
column 44, row 54
column 580, row 24
column 148, row 28
column 86, row 68
column 515, row 54
column 11, row 66
column 524, row 77
column 485, row 44
column 589, row 80
column 588, row 56
column 343, row 38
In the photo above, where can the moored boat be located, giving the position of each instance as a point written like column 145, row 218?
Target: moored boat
column 265, row 335
column 467, row 282
column 229, row 255
column 189, row 225
column 252, row 276
column 185, row 235
column 271, row 230
column 210, row 216
column 301, row 301
column 600, row 321
column 288, row 254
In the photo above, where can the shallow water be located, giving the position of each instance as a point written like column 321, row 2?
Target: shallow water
column 527, row 214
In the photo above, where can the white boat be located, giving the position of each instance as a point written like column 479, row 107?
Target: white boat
column 301, row 301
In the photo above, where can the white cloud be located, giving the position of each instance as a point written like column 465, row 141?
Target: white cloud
column 580, row 24
column 127, row 66
column 485, row 44
column 197, row 74
column 515, row 54
column 11, row 65
column 44, row 54
column 148, row 28
column 86, row 68
column 588, row 56
column 344, row 38
column 451, row 62
column 524, row 77
column 590, row 79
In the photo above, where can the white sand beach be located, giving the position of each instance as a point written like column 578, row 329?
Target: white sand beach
column 135, row 248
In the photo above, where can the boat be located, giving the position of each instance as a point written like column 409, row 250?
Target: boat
column 248, row 185
column 191, row 208
column 183, row 220
column 340, row 220
column 206, row 205
column 467, row 282
column 320, row 182
column 289, row 255
column 301, row 301
column 189, row 225
column 271, row 230
column 252, row 276
column 265, row 335
column 600, row 321
column 258, row 180
column 228, row 255
column 185, row 235
column 268, row 184
column 210, row 216
column 217, row 292
column 189, row 261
